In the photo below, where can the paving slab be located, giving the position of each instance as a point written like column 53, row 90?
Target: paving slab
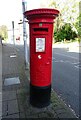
column 22, row 115
column 13, row 107
column 14, row 116
column 4, row 108
column 11, row 87
column 11, row 81
column 65, row 115
column 0, row 117
column 9, row 64
column 0, row 108
column 8, row 95
column 0, row 96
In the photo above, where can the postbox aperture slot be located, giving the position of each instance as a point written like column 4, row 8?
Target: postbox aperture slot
column 40, row 44
column 40, row 29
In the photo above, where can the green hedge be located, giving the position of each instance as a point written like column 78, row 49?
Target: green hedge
column 65, row 32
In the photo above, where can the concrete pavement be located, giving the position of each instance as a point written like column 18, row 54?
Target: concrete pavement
column 72, row 47
column 15, row 97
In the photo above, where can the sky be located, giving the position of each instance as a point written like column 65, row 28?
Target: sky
column 11, row 10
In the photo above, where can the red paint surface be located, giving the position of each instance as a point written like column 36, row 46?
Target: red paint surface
column 41, row 26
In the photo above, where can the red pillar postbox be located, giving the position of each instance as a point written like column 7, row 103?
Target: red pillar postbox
column 41, row 35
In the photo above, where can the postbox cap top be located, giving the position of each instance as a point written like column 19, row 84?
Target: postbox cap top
column 41, row 11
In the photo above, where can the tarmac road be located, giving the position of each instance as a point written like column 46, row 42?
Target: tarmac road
column 65, row 76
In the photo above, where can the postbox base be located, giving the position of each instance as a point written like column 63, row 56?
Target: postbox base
column 40, row 96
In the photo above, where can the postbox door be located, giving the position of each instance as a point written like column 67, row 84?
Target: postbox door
column 40, row 60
